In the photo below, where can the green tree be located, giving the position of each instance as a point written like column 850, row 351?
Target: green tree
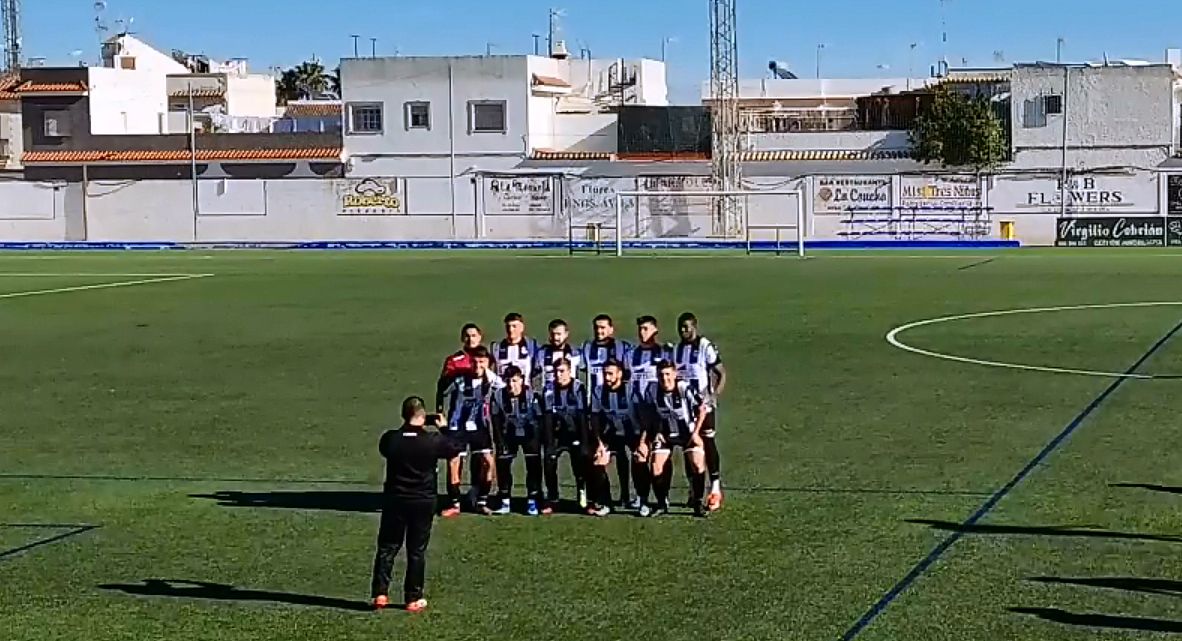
column 306, row 81
column 960, row 132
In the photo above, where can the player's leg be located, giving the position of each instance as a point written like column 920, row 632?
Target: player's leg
column 418, row 534
column 455, row 471
column 533, row 477
column 695, row 465
column 662, row 475
column 713, row 464
column 642, row 480
column 507, row 452
column 486, row 476
column 598, row 483
column 623, row 456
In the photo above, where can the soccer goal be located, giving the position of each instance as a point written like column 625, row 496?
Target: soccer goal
column 750, row 219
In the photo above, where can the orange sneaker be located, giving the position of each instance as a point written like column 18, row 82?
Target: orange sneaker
column 416, row 606
column 450, row 512
column 714, row 501
column 381, row 602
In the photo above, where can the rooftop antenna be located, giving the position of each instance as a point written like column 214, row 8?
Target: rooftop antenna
column 943, row 37
column 999, row 56
column 555, row 33
column 1059, row 49
column 100, row 25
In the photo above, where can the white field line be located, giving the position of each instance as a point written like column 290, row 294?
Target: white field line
column 91, row 275
column 125, row 283
column 892, row 337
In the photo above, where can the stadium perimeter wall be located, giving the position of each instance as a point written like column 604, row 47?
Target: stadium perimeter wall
column 846, row 208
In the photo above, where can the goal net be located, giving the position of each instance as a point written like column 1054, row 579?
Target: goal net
column 647, row 221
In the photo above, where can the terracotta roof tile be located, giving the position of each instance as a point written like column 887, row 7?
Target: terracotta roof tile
column 7, row 82
column 550, row 81
column 204, row 155
column 824, row 155
column 313, row 110
column 30, row 86
column 549, row 154
column 198, row 93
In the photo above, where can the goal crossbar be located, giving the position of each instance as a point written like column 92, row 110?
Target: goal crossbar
column 799, row 226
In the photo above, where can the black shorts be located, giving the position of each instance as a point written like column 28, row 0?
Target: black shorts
column 478, row 441
column 512, row 444
column 620, row 444
column 682, row 441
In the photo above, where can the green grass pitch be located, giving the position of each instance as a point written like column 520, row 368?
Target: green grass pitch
column 196, row 459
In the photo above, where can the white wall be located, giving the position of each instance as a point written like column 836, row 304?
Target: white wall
column 147, row 59
column 835, row 140
column 31, row 212
column 393, row 82
column 251, row 96
column 12, row 133
column 773, row 88
column 127, row 102
column 586, row 132
column 1115, row 115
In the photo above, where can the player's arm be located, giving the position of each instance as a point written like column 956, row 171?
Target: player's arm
column 446, row 377
column 596, row 418
column 716, row 369
column 547, row 421
column 496, row 417
column 701, row 410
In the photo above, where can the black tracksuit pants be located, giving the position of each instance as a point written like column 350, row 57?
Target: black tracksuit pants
column 409, row 522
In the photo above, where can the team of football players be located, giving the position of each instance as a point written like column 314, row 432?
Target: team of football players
column 607, row 399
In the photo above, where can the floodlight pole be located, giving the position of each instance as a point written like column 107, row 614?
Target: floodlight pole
column 619, row 225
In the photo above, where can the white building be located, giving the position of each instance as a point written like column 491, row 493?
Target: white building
column 431, row 121
column 140, row 90
column 11, row 136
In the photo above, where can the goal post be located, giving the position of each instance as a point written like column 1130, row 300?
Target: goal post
column 756, row 221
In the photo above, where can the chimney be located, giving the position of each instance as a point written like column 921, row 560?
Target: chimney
column 559, row 51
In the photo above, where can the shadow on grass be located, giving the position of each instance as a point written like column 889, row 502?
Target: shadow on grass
column 1101, row 620
column 332, row 501
column 1044, row 530
column 1168, row 587
column 1168, row 489
column 182, row 589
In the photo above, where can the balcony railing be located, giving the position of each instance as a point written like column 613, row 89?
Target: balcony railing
column 821, row 119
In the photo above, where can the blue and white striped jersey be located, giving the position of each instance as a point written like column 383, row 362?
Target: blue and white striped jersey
column 617, row 408
column 568, row 402
column 694, row 361
column 676, row 412
column 548, row 355
column 468, row 401
column 642, row 366
column 595, row 354
column 520, row 354
column 519, row 415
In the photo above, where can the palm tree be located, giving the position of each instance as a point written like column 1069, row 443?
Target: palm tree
column 287, row 87
column 312, row 80
column 334, row 83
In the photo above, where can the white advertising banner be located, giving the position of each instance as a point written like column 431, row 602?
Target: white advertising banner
column 1086, row 194
column 519, row 196
column 842, row 194
column 371, row 196
column 593, row 200
column 949, row 192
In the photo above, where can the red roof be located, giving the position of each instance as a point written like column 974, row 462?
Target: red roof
column 313, row 110
column 550, row 81
column 7, row 82
column 198, row 93
column 181, row 155
column 30, row 86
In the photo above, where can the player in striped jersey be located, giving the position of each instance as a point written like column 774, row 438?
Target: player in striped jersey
column 675, row 414
column 459, row 363
column 557, row 349
column 615, row 421
column 601, row 349
column 699, row 364
column 468, row 422
column 564, row 411
column 515, row 350
column 517, row 427
column 644, row 357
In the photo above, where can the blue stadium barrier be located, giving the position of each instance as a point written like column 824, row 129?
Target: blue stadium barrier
column 496, row 244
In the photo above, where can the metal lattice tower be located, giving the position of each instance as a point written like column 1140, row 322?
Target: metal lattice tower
column 10, row 13
column 726, row 136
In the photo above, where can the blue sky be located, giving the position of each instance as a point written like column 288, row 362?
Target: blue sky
column 859, row 35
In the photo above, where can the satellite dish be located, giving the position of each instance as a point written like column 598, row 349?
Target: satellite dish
column 780, row 70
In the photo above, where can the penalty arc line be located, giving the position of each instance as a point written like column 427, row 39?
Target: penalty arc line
column 927, row 562
column 892, row 337
column 125, row 283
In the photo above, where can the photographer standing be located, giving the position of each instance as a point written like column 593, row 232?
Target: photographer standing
column 408, row 502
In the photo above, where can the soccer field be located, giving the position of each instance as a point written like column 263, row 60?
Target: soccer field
column 188, row 448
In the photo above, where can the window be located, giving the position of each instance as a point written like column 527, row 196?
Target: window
column 57, row 124
column 127, row 62
column 418, row 115
column 487, row 116
column 365, row 118
column 1052, row 104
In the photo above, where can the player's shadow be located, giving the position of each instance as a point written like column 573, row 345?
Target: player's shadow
column 1044, row 530
column 1168, row 489
column 336, row 501
column 1167, row 587
column 184, row 589
column 1093, row 620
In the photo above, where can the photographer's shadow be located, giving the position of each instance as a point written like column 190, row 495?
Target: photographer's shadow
column 203, row 590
